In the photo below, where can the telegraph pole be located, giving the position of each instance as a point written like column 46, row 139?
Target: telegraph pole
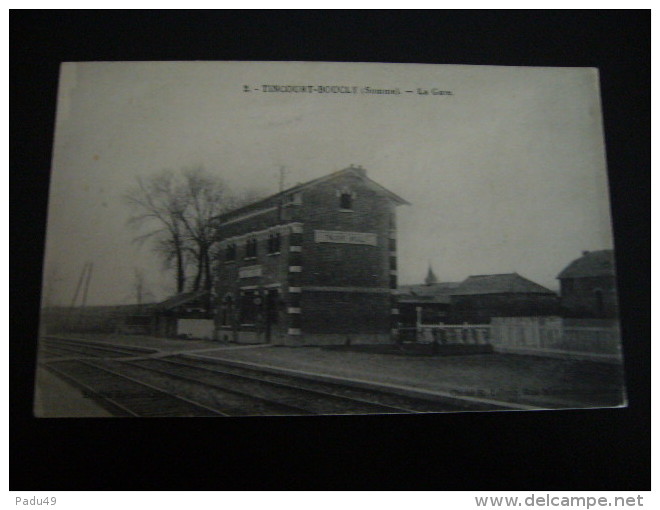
column 84, row 295
column 89, row 277
column 75, row 295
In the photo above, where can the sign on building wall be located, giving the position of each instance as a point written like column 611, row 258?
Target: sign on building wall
column 249, row 271
column 333, row 236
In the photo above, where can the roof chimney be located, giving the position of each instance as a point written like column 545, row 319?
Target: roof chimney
column 360, row 170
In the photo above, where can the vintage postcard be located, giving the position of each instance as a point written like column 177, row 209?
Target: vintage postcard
column 295, row 238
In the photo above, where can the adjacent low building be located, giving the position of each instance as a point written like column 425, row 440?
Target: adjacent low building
column 184, row 315
column 588, row 286
column 426, row 303
column 314, row 264
column 479, row 298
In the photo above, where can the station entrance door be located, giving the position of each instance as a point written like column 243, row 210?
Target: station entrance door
column 271, row 313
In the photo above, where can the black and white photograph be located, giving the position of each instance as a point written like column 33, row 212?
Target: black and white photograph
column 238, row 239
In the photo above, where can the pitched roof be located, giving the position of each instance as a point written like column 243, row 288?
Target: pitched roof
column 591, row 263
column 357, row 171
column 180, row 299
column 510, row 283
column 434, row 293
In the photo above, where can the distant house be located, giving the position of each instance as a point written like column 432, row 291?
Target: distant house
column 588, row 286
column 427, row 302
column 479, row 298
column 188, row 314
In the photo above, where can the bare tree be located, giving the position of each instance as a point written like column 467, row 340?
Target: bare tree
column 178, row 210
column 158, row 206
column 207, row 197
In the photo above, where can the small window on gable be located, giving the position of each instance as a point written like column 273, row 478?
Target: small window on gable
column 346, row 201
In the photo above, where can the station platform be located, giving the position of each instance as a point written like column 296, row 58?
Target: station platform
column 56, row 398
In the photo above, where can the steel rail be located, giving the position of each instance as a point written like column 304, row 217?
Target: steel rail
column 72, row 348
column 147, row 385
column 310, row 391
column 234, row 391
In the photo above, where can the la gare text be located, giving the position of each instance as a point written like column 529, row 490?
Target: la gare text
column 346, row 89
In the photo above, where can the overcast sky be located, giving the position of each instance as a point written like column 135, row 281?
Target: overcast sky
column 507, row 174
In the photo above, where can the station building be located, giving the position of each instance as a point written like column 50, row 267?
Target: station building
column 312, row 265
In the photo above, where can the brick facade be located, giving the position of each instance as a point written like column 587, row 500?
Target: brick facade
column 591, row 296
column 333, row 278
column 588, row 286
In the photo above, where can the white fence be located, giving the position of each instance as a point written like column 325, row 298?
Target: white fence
column 468, row 334
column 543, row 336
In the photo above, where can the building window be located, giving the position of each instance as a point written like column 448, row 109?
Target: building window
column 392, row 221
column 226, row 311
column 274, row 241
column 346, row 201
column 251, row 249
column 230, row 253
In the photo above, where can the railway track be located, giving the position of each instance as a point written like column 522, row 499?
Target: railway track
column 128, row 382
column 291, row 396
column 315, row 396
column 55, row 346
column 126, row 396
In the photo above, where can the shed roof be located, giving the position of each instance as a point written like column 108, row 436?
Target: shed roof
column 425, row 293
column 509, row 283
column 591, row 263
column 181, row 299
